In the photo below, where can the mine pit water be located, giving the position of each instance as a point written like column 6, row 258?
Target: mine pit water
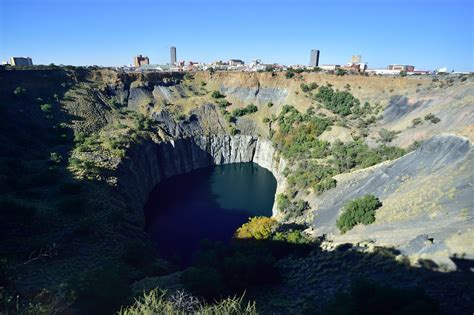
column 209, row 203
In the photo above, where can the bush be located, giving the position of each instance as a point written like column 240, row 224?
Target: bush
column 19, row 91
column 360, row 210
column 138, row 254
column 341, row 103
column 416, row 122
column 370, row 299
column 203, row 282
column 216, row 94
column 249, row 109
column 431, row 117
column 70, row 189
column 234, row 131
column 258, row 228
column 102, row 291
column 11, row 209
column 269, row 104
column 71, row 205
column 46, row 108
column 387, row 136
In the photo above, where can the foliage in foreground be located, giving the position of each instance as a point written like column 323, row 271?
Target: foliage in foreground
column 157, row 302
column 360, row 210
column 369, row 298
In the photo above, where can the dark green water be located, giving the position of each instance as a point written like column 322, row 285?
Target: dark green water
column 209, row 203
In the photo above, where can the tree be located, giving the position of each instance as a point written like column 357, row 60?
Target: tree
column 259, row 228
column 360, row 210
column 403, row 73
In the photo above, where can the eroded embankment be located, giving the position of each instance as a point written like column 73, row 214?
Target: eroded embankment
column 149, row 163
column 426, row 196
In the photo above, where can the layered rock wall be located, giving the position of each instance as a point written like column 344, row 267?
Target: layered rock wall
column 148, row 163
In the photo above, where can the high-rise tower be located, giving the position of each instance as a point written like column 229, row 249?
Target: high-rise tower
column 173, row 56
column 314, row 61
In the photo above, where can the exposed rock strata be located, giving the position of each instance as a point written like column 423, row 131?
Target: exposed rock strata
column 149, row 163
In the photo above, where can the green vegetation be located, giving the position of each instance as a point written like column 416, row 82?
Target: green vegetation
column 289, row 74
column 46, row 108
column 340, row 72
column 216, row 94
column 416, row 121
column 160, row 302
column 269, row 104
column 403, row 73
column 19, row 91
column 249, row 109
column 341, row 103
column 291, row 209
column 308, row 87
column 257, row 228
column 387, row 136
column 432, row 118
column 369, row 298
column 360, row 210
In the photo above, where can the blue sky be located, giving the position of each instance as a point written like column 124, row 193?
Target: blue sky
column 426, row 33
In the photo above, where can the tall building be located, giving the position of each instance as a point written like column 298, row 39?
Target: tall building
column 314, row 61
column 356, row 58
column 173, row 56
column 140, row 60
column 21, row 61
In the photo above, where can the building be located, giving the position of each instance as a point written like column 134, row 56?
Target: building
column 406, row 68
column 356, row 58
column 21, row 61
column 314, row 59
column 140, row 60
column 236, row 62
column 172, row 56
column 329, row 67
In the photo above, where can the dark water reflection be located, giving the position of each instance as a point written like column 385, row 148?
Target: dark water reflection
column 209, row 203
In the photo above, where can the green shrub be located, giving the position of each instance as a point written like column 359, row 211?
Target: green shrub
column 269, row 104
column 216, row 94
column 249, row 109
column 416, row 122
column 19, row 91
column 387, row 136
column 71, row 205
column 360, row 210
column 431, row 117
column 46, row 108
column 102, row 291
column 341, row 103
column 16, row 210
column 70, row 188
column 234, row 131
column 373, row 299
column 203, row 282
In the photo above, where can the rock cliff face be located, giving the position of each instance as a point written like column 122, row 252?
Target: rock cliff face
column 149, row 163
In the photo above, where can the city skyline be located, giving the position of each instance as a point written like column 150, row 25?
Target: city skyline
column 382, row 33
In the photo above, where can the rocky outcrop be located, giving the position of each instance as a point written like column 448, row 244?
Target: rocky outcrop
column 148, row 163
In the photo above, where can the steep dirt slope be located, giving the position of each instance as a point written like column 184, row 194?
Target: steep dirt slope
column 426, row 196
